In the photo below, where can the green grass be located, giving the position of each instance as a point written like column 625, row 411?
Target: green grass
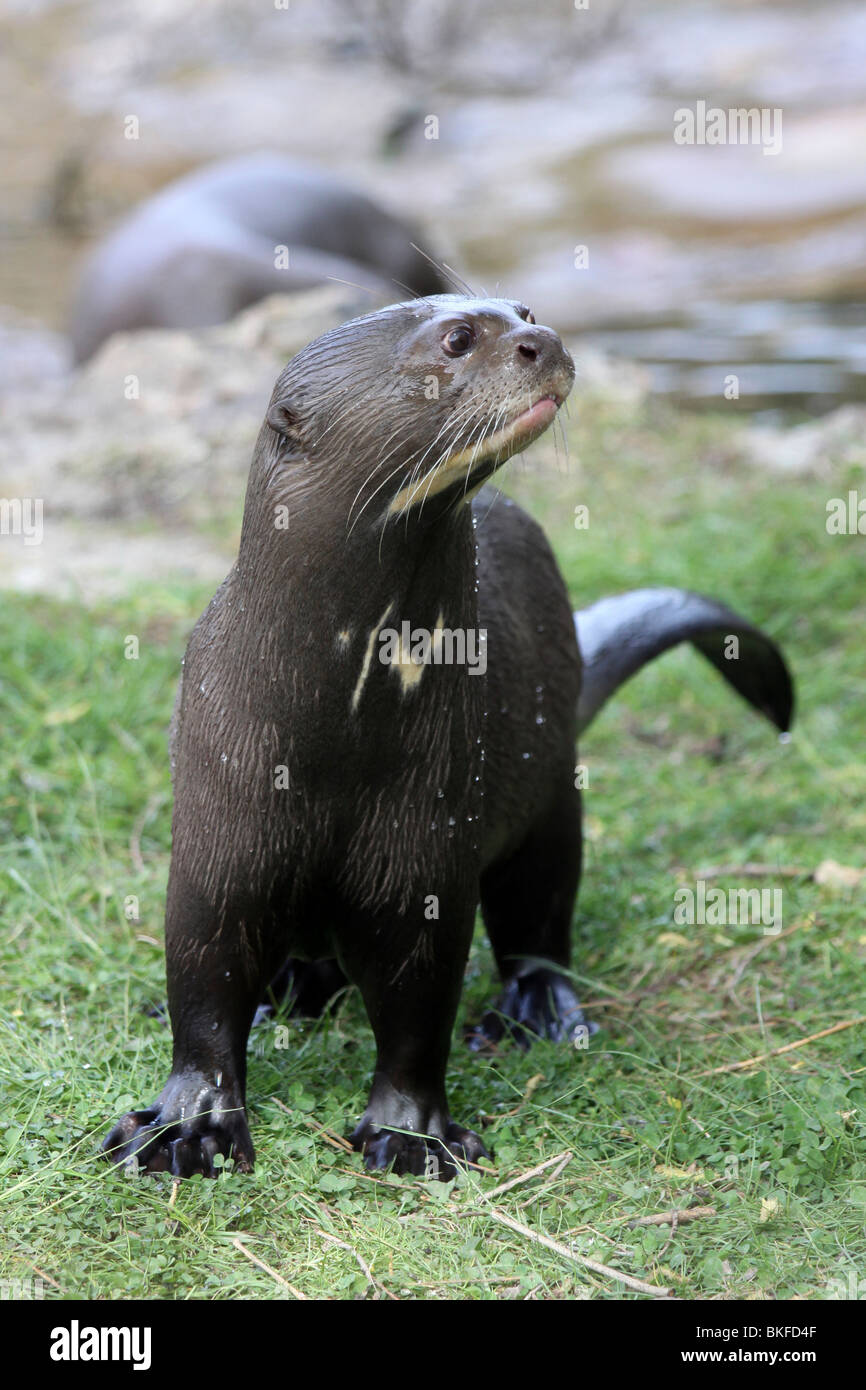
column 682, row 775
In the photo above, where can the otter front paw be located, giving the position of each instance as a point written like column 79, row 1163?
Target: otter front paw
column 539, row 1004
column 184, row 1131
column 423, row 1155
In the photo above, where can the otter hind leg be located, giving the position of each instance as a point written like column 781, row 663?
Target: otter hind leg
column 527, row 902
column 304, row 988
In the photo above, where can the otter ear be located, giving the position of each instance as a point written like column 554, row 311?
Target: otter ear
column 282, row 418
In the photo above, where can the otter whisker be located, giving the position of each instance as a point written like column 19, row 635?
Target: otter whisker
column 467, row 417
column 497, row 493
column 413, row 488
column 446, row 270
column 353, row 284
column 413, row 294
column 457, row 422
column 383, row 459
column 493, row 428
column 432, row 474
column 342, row 411
column 559, row 434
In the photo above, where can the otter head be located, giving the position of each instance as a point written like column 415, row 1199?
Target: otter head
column 420, row 401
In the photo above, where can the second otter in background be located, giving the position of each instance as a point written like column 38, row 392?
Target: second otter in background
column 206, row 246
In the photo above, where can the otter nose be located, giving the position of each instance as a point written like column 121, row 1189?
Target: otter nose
column 541, row 348
column 538, row 344
column 530, row 345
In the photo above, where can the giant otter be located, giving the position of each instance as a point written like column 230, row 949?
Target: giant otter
column 341, row 794
column 205, row 247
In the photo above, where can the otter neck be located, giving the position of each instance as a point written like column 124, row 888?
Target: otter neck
column 320, row 577
column 309, row 603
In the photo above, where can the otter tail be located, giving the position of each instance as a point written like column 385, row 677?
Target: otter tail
column 617, row 636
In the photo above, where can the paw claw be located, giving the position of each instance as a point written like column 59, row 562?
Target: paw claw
column 539, row 1004
column 182, row 1133
column 423, row 1156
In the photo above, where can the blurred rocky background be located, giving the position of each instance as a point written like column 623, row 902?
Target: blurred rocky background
column 553, row 129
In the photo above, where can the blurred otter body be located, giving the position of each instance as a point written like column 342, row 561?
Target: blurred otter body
column 206, row 246
column 339, row 797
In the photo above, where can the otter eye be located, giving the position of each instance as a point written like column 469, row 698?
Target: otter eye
column 525, row 314
column 458, row 340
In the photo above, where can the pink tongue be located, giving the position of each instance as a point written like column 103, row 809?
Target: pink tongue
column 539, row 414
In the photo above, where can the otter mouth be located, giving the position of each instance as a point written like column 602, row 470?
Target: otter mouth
column 526, row 426
column 474, row 463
